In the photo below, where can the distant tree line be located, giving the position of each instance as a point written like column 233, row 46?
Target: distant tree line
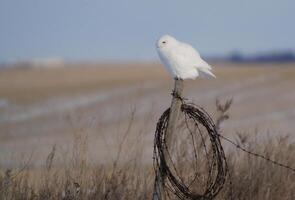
column 279, row 56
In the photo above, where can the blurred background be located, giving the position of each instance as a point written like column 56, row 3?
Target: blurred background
column 87, row 71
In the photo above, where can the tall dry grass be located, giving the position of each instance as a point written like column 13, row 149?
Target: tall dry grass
column 251, row 178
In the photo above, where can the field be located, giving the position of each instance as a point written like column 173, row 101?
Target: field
column 94, row 125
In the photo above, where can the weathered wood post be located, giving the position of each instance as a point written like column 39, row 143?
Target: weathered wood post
column 174, row 112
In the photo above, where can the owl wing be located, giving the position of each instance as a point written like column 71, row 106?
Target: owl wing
column 192, row 57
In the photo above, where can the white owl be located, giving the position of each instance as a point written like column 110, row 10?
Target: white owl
column 181, row 59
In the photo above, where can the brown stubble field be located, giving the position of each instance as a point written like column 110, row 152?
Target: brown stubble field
column 98, row 115
column 45, row 105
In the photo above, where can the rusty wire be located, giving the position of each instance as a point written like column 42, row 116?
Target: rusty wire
column 251, row 153
column 217, row 165
column 218, row 170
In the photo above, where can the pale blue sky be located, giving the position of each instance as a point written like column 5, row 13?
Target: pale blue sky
column 127, row 29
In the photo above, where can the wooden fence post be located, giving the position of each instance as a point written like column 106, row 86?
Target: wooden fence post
column 174, row 112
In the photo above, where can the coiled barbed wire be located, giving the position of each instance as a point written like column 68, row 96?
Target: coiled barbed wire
column 217, row 169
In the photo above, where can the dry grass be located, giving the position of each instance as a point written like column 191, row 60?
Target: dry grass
column 128, row 174
column 78, row 178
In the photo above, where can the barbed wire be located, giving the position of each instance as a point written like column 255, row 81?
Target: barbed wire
column 218, row 170
column 216, row 161
column 256, row 154
column 224, row 116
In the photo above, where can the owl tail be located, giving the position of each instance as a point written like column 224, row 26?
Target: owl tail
column 205, row 72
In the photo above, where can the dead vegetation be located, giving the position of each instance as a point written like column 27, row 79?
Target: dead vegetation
column 79, row 178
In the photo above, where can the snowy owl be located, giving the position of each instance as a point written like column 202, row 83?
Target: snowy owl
column 181, row 59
